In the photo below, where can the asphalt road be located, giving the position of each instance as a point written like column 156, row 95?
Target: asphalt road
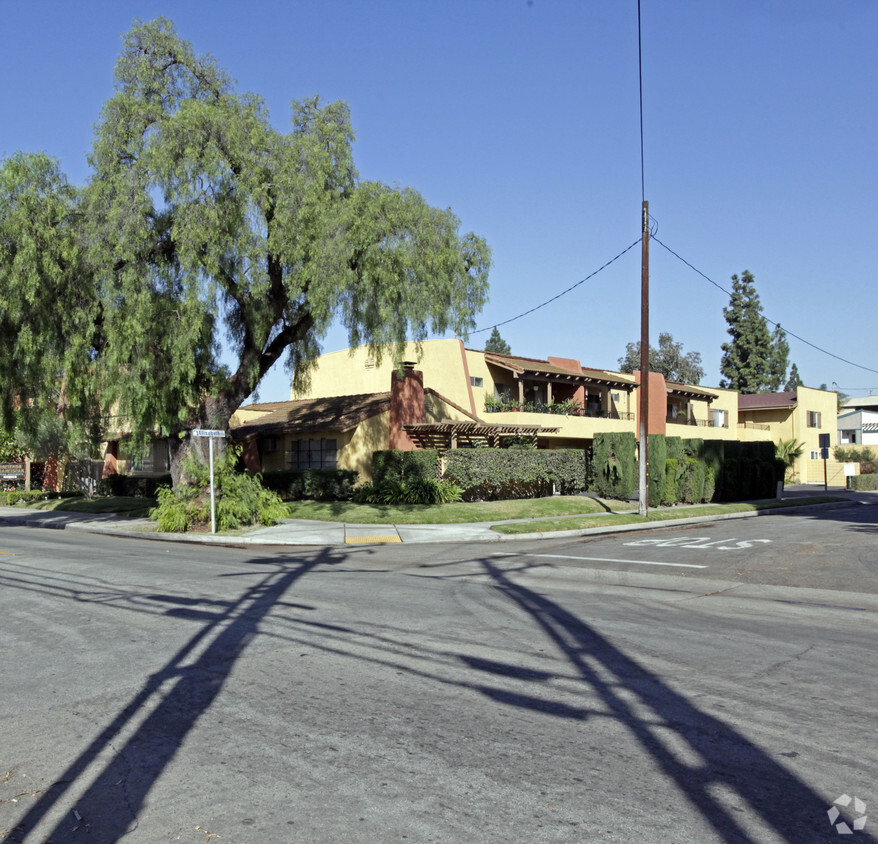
column 158, row 692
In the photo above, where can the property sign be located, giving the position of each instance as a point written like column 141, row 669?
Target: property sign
column 207, row 432
column 12, row 471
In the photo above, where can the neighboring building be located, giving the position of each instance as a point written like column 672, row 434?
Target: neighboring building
column 858, row 427
column 801, row 415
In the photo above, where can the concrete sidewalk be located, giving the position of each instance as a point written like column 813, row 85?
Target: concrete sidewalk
column 307, row 532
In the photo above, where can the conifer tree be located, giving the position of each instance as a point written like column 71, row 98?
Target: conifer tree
column 779, row 359
column 496, row 344
column 794, row 380
column 746, row 360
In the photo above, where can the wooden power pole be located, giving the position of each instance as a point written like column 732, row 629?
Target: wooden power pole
column 643, row 489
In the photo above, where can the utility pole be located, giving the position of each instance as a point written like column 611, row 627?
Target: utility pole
column 643, row 489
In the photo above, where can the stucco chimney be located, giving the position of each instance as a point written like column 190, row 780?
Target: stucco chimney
column 406, row 404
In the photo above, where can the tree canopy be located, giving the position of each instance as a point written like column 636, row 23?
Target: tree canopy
column 203, row 226
column 746, row 360
column 497, row 345
column 668, row 359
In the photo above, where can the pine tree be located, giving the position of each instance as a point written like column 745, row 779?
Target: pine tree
column 794, row 380
column 496, row 345
column 779, row 359
column 746, row 358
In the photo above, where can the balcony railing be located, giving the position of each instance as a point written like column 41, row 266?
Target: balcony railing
column 702, row 423
column 556, row 409
column 755, row 426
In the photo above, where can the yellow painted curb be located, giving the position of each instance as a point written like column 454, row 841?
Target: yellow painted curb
column 356, row 540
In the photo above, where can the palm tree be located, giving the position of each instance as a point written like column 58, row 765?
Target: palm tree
column 789, row 451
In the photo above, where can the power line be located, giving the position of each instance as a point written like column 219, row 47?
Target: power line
column 562, row 293
column 786, row 330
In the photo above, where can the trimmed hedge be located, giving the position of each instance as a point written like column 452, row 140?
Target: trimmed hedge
column 502, row 473
column 132, row 486
column 20, row 496
column 613, row 471
column 312, row 484
column 395, row 465
column 864, row 482
column 657, row 453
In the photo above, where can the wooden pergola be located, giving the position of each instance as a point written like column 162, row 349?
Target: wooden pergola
column 450, row 433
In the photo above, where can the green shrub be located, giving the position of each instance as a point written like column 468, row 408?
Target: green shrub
column 613, row 465
column 396, row 465
column 240, row 498
column 864, row 482
column 672, row 471
column 709, row 484
column 690, row 488
column 503, row 473
column 657, row 454
column 132, row 486
column 413, row 491
column 21, row 496
column 312, row 484
column 674, row 447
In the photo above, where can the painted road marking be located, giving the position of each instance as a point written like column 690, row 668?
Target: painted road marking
column 699, row 542
column 603, row 560
column 9, row 554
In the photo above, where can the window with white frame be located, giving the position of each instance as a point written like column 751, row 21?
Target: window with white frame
column 815, row 455
column 314, row 454
column 720, row 418
column 476, row 381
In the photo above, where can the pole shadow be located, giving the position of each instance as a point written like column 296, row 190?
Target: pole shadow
column 729, row 761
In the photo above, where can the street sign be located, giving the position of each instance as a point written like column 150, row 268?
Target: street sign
column 207, row 432
column 823, row 440
column 211, row 434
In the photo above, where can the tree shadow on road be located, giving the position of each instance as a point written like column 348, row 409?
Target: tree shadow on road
column 148, row 732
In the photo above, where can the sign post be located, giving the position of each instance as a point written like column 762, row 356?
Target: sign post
column 211, row 435
column 823, row 439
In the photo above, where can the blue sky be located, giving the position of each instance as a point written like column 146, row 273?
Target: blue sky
column 760, row 123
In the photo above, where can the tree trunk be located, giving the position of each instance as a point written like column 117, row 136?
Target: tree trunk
column 213, row 414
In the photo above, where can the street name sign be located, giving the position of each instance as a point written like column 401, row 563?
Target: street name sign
column 207, row 432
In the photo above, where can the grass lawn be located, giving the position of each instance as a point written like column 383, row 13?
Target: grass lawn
column 456, row 513
column 660, row 515
column 123, row 506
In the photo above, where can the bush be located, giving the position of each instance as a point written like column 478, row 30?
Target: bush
column 312, row 484
column 709, row 484
column 132, row 486
column 864, row 482
column 240, row 498
column 613, row 465
column 690, row 488
column 672, row 471
column 395, row 465
column 657, row 453
column 21, row 496
column 858, row 454
column 414, row 491
column 503, row 473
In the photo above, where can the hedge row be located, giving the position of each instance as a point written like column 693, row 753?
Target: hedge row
column 20, row 496
column 312, row 484
column 401, row 466
column 686, row 471
column 613, row 466
column 864, row 482
column 132, row 486
column 500, row 473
